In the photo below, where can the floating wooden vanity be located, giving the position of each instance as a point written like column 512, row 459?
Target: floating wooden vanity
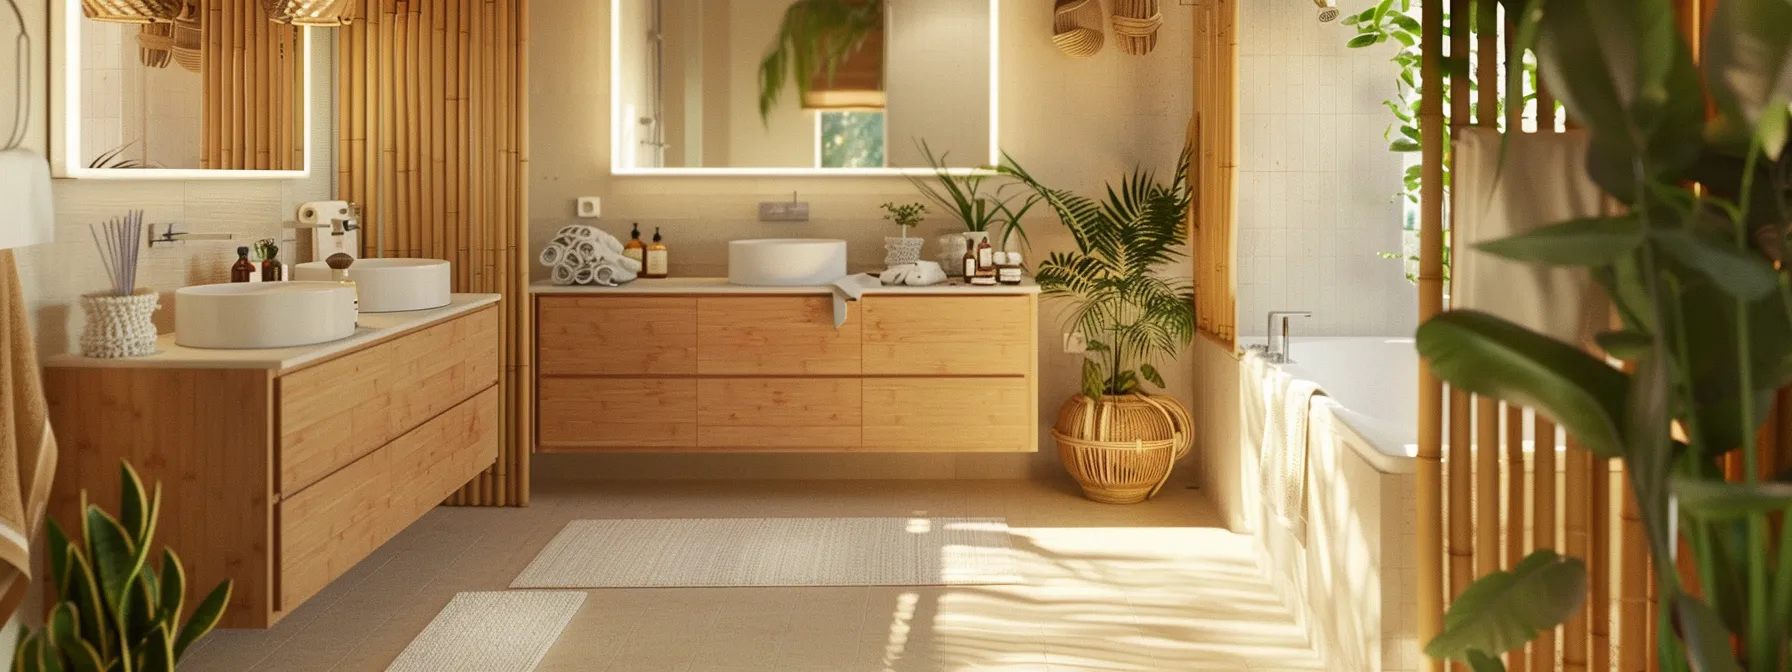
column 282, row 468
column 698, row 365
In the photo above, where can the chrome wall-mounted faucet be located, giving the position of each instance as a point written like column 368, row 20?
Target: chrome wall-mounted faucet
column 1281, row 355
column 169, row 235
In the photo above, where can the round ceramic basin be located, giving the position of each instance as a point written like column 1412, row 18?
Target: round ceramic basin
column 242, row 316
column 389, row 285
column 786, row 262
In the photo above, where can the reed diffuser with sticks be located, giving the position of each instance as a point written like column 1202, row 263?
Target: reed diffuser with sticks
column 118, row 319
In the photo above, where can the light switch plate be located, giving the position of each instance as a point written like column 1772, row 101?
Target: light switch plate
column 784, row 211
column 590, row 207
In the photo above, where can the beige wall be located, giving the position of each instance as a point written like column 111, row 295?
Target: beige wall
column 1074, row 123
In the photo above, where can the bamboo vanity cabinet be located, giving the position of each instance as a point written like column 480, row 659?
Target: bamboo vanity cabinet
column 696, row 365
column 282, row 468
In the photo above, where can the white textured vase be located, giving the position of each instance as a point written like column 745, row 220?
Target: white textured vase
column 899, row 251
column 120, row 326
column 952, row 248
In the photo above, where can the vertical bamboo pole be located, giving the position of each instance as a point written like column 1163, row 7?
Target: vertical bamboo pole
column 1461, row 456
column 1431, row 296
column 523, row 353
column 1599, row 564
column 1543, row 526
column 1633, row 610
column 1487, row 486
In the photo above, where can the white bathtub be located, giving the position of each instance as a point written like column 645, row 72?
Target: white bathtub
column 1346, row 566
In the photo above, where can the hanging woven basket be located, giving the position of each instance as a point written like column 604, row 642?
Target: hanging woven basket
column 155, row 44
column 131, row 11
column 1121, row 449
column 316, row 13
column 188, row 38
column 1076, row 27
column 1136, row 23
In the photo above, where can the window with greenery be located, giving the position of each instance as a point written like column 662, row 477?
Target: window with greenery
column 851, row 139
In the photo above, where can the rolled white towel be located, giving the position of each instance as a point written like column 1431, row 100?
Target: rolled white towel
column 627, row 264
column 551, row 255
column 621, row 273
column 604, row 274
column 581, row 232
column 574, row 259
column 588, row 249
column 563, row 275
column 926, row 273
column 610, row 242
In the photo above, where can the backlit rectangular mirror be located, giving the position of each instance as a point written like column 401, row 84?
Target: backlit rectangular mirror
column 687, row 97
column 216, row 91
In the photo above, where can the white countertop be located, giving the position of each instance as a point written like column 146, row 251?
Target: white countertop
column 372, row 327
column 954, row 287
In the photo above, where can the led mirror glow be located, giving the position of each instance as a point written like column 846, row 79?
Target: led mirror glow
column 684, row 93
column 129, row 103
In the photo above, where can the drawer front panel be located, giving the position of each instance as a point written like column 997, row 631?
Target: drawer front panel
column 623, row 413
column 337, row 412
column 779, row 413
column 967, row 415
column 330, row 526
column 949, row 335
column 595, row 336
column 777, row 335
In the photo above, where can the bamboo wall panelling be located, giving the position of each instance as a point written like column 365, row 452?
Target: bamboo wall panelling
column 1214, row 170
column 1577, row 516
column 1543, row 525
column 1429, row 477
column 1516, row 539
column 252, row 80
column 434, row 127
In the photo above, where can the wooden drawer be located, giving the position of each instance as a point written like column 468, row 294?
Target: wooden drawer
column 779, row 413
column 949, row 335
column 774, row 335
column 616, row 335
column 624, row 413
column 337, row 412
column 949, row 415
column 330, row 526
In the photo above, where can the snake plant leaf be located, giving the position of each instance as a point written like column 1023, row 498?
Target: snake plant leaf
column 1718, row 500
column 1748, row 68
column 29, row 656
column 60, row 564
column 1504, row 610
column 1582, row 242
column 158, row 651
column 133, row 507
column 1489, row 356
column 83, row 658
column 141, row 611
column 115, row 557
column 63, row 628
column 1707, row 640
column 174, row 587
column 84, row 591
column 1733, row 270
column 1481, row 662
column 205, row 617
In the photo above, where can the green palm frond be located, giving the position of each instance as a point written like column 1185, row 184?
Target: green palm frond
column 1132, row 315
column 815, row 36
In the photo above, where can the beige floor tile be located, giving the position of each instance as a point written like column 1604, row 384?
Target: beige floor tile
column 1111, row 588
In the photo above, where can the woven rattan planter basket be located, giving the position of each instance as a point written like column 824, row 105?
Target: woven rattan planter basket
column 1121, row 449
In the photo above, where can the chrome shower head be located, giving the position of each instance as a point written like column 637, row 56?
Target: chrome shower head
column 1328, row 10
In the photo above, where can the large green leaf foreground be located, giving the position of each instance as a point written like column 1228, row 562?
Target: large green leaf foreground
column 114, row 612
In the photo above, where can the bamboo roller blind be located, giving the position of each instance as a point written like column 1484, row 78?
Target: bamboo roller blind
column 433, row 126
column 1212, row 138
column 253, row 73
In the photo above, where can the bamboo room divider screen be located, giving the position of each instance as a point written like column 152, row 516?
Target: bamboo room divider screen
column 252, row 72
column 1213, row 173
column 1483, row 510
column 433, row 123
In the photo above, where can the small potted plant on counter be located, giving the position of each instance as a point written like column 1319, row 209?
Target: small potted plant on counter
column 1119, row 442
column 982, row 206
column 903, row 250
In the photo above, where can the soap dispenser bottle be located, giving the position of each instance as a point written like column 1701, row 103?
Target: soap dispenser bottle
column 243, row 270
column 656, row 263
column 634, row 249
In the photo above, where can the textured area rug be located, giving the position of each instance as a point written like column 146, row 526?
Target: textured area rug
column 490, row 632
column 716, row 552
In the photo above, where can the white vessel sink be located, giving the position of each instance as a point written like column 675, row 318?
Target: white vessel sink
column 786, row 262
column 243, row 316
column 389, row 285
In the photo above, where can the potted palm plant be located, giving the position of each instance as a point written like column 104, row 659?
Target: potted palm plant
column 1119, row 442
column 1699, row 280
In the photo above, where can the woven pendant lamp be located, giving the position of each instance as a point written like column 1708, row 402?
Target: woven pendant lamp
column 314, row 13
column 1136, row 23
column 1076, row 27
column 131, row 11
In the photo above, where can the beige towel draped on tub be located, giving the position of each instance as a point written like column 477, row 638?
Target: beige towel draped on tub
column 27, row 447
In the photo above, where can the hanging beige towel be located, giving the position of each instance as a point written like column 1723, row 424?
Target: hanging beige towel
column 1544, row 182
column 27, row 447
column 1282, row 465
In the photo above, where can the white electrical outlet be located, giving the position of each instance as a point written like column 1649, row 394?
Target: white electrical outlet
column 590, row 207
column 1076, row 343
